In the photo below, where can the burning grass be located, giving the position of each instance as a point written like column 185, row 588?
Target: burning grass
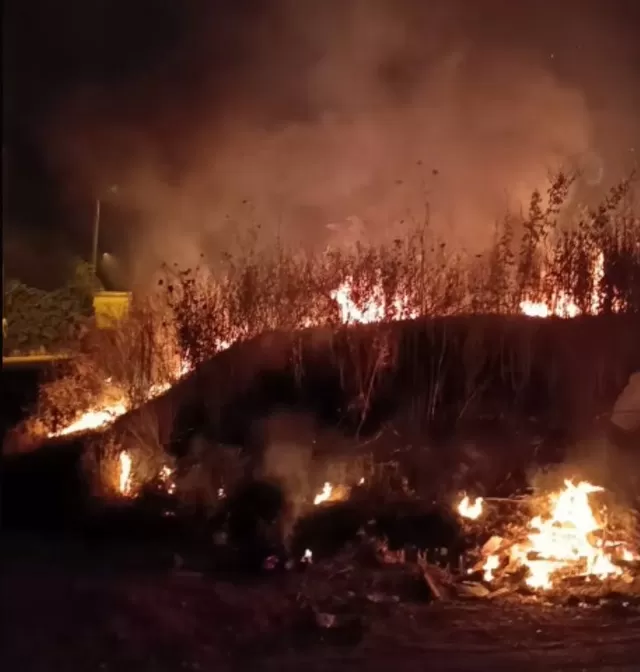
column 536, row 267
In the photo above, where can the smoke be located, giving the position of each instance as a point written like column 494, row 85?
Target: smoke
column 297, row 115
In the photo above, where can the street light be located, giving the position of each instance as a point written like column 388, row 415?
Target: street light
column 113, row 189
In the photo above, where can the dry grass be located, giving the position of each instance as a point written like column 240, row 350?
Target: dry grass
column 535, row 255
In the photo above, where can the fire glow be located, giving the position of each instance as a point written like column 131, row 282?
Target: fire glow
column 563, row 305
column 331, row 493
column 469, row 509
column 125, row 481
column 325, row 495
column 374, row 308
column 568, row 541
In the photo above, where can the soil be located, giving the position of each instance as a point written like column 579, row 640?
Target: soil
column 105, row 605
column 64, row 609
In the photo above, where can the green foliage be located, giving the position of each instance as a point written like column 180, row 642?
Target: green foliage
column 45, row 321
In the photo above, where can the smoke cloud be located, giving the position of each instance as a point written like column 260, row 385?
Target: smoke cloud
column 296, row 115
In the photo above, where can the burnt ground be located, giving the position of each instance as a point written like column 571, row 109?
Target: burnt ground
column 65, row 608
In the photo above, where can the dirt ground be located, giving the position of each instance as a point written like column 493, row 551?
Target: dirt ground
column 63, row 613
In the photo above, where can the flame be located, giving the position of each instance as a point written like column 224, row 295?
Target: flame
column 492, row 563
column 125, row 484
column 331, row 493
column 563, row 305
column 568, row 540
column 94, row 419
column 166, row 478
column 472, row 510
column 325, row 495
column 109, row 410
column 375, row 307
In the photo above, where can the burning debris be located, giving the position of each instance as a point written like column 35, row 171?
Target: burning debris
column 472, row 510
column 569, row 539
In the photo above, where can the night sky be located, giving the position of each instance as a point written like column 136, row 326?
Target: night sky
column 92, row 87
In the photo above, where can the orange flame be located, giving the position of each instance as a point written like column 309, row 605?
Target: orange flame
column 375, row 308
column 469, row 509
column 563, row 304
column 325, row 495
column 125, row 484
column 567, row 540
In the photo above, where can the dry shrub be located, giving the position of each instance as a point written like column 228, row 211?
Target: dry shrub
column 101, row 464
column 207, row 475
column 538, row 254
column 77, row 385
column 141, row 353
column 140, row 440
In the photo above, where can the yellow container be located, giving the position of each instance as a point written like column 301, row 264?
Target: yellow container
column 110, row 307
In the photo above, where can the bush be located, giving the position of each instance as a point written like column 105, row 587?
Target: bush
column 41, row 321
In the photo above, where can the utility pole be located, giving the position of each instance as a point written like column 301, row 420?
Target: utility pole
column 96, row 235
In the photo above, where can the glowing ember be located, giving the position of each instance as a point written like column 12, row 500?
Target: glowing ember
column 469, row 509
column 566, row 541
column 166, row 478
column 125, row 485
column 325, row 495
column 332, row 493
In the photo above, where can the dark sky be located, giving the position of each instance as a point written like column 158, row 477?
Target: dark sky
column 132, row 92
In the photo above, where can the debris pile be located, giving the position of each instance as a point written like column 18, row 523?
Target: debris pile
column 568, row 539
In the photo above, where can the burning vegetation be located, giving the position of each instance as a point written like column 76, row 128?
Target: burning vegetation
column 589, row 270
column 555, row 270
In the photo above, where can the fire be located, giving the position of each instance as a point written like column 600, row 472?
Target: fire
column 471, row 510
column 95, row 419
column 568, row 540
column 563, row 304
column 125, row 482
column 108, row 411
column 325, row 495
column 375, row 307
column 331, row 493
column 166, row 478
column 492, row 563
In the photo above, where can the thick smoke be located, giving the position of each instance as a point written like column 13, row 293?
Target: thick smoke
column 302, row 114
